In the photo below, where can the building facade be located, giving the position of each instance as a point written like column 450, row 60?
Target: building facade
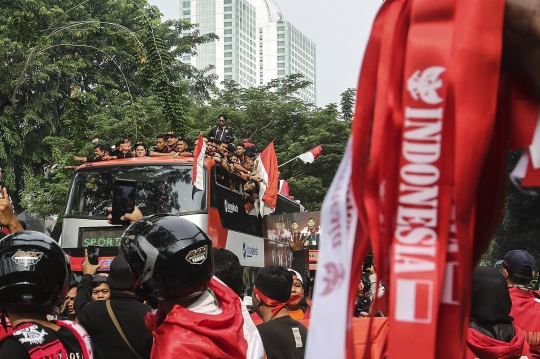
column 255, row 46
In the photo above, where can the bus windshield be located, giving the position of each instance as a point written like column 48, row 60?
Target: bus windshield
column 160, row 189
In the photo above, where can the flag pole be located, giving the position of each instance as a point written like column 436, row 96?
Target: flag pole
column 288, row 161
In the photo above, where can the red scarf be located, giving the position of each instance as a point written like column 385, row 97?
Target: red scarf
column 274, row 303
column 430, row 136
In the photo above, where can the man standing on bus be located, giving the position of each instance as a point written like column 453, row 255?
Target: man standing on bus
column 221, row 132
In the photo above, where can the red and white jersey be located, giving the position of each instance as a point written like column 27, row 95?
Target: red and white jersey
column 526, row 313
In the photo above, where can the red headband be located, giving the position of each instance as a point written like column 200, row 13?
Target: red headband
column 274, row 303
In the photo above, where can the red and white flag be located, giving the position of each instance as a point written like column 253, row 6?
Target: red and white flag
column 95, row 139
column 311, row 155
column 198, row 171
column 267, row 166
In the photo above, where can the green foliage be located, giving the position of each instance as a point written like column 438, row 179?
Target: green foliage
column 348, row 98
column 520, row 227
column 75, row 69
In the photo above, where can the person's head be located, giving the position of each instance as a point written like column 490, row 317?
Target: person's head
column 125, row 146
column 296, row 289
column 182, row 145
column 234, row 158
column 240, row 149
column 119, row 277
column 231, row 148
column 279, row 226
column 100, row 289
column 244, row 137
column 518, row 267
column 160, row 142
column 248, row 164
column 228, row 269
column 34, row 276
column 99, row 150
column 70, row 298
column 178, row 252
column 222, row 120
column 311, row 223
column 294, row 226
column 223, row 148
column 491, row 301
column 140, row 150
column 210, row 146
column 272, row 284
column 172, row 139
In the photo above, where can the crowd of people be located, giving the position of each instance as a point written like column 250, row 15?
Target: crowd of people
column 168, row 294
column 237, row 158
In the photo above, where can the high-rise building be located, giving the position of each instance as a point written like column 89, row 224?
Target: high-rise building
column 256, row 44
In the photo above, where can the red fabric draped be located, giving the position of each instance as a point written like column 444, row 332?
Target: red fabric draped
column 430, row 135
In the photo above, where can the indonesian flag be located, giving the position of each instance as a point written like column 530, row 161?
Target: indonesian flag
column 198, row 171
column 311, row 155
column 267, row 166
column 95, row 139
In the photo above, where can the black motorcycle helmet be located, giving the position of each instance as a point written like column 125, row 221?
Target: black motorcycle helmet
column 34, row 273
column 169, row 257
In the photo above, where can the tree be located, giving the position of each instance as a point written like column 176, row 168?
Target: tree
column 348, row 98
column 520, row 226
column 73, row 69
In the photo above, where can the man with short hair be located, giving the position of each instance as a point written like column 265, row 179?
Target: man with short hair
column 221, row 132
column 241, row 153
column 140, row 150
column 97, row 315
column 182, row 148
column 161, row 147
column 99, row 154
column 518, row 270
column 282, row 336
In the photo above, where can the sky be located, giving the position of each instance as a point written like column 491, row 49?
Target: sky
column 339, row 28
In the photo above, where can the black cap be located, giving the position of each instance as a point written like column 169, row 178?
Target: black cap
column 518, row 261
column 172, row 134
column 120, row 276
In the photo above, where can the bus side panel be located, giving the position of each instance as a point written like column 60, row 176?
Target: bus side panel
column 249, row 249
column 215, row 231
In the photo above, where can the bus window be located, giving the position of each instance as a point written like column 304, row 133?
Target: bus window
column 160, row 189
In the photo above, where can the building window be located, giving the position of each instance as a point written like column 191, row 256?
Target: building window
column 280, row 58
column 281, row 72
column 281, row 65
column 227, row 24
column 227, row 16
column 281, row 43
column 228, row 47
column 280, row 36
column 228, row 54
column 187, row 57
column 228, row 62
column 228, row 69
column 187, row 12
column 186, row 4
column 227, row 39
column 228, row 77
column 227, row 8
column 280, row 51
column 281, row 28
column 228, row 32
column 227, row 2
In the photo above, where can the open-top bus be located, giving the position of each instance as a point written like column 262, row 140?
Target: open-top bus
column 164, row 185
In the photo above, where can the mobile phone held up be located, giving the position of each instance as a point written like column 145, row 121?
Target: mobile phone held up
column 93, row 255
column 124, row 193
column 368, row 262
